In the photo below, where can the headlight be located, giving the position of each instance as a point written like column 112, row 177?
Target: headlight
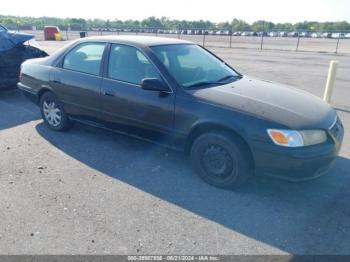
column 293, row 138
column 313, row 137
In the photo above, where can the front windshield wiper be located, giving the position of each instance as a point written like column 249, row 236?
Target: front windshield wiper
column 221, row 81
column 203, row 84
column 227, row 78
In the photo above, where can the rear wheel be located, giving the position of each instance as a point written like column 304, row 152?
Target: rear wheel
column 221, row 160
column 52, row 112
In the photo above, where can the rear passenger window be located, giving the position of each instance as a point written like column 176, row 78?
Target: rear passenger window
column 128, row 64
column 85, row 58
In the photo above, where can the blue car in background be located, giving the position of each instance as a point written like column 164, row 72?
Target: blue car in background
column 15, row 48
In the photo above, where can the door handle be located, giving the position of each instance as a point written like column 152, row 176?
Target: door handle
column 107, row 94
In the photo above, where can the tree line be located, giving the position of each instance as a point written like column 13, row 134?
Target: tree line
column 14, row 22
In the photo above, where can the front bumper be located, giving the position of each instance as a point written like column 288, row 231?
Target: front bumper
column 298, row 164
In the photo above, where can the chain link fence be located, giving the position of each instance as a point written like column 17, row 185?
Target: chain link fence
column 327, row 42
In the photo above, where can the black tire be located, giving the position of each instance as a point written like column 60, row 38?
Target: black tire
column 221, row 160
column 49, row 99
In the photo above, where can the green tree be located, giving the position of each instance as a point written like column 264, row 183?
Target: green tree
column 152, row 22
column 240, row 25
column 166, row 23
column 258, row 26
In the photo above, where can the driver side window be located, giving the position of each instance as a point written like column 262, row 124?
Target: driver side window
column 128, row 64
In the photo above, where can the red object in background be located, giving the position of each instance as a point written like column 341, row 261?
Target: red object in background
column 50, row 31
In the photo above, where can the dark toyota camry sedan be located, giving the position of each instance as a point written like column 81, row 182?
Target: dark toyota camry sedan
column 179, row 94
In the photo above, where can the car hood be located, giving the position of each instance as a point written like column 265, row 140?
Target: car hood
column 278, row 103
column 9, row 40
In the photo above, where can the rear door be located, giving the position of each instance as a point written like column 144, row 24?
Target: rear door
column 123, row 101
column 77, row 81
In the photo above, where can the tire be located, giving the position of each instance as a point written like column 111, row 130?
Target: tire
column 221, row 160
column 53, row 114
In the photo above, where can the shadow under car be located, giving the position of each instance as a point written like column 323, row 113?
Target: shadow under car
column 301, row 218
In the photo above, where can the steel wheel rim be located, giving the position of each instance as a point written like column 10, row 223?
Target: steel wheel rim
column 218, row 163
column 52, row 113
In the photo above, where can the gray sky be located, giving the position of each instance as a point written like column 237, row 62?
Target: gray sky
column 214, row 10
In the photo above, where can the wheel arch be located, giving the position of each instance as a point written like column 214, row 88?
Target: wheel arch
column 206, row 127
column 42, row 92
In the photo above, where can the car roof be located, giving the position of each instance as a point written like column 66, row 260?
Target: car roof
column 137, row 40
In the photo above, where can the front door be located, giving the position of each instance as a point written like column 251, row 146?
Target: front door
column 123, row 101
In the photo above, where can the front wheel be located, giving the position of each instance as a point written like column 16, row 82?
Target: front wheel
column 52, row 113
column 221, row 160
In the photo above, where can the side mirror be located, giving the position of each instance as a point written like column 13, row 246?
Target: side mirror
column 154, row 84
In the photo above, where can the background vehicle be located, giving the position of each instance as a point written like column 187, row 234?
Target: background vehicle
column 14, row 49
column 262, row 33
column 283, row 34
column 326, row 35
column 304, row 34
column 177, row 93
column 292, row 34
column 316, row 35
column 338, row 35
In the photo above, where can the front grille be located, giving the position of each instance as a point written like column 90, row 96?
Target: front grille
column 336, row 129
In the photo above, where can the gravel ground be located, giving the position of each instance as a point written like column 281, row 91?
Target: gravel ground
column 89, row 191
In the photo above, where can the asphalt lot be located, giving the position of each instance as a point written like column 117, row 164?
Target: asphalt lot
column 90, row 191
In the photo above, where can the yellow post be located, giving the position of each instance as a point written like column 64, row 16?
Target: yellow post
column 330, row 81
column 58, row 36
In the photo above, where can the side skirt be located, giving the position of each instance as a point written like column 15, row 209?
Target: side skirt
column 108, row 127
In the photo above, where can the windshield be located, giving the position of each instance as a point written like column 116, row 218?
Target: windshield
column 193, row 66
